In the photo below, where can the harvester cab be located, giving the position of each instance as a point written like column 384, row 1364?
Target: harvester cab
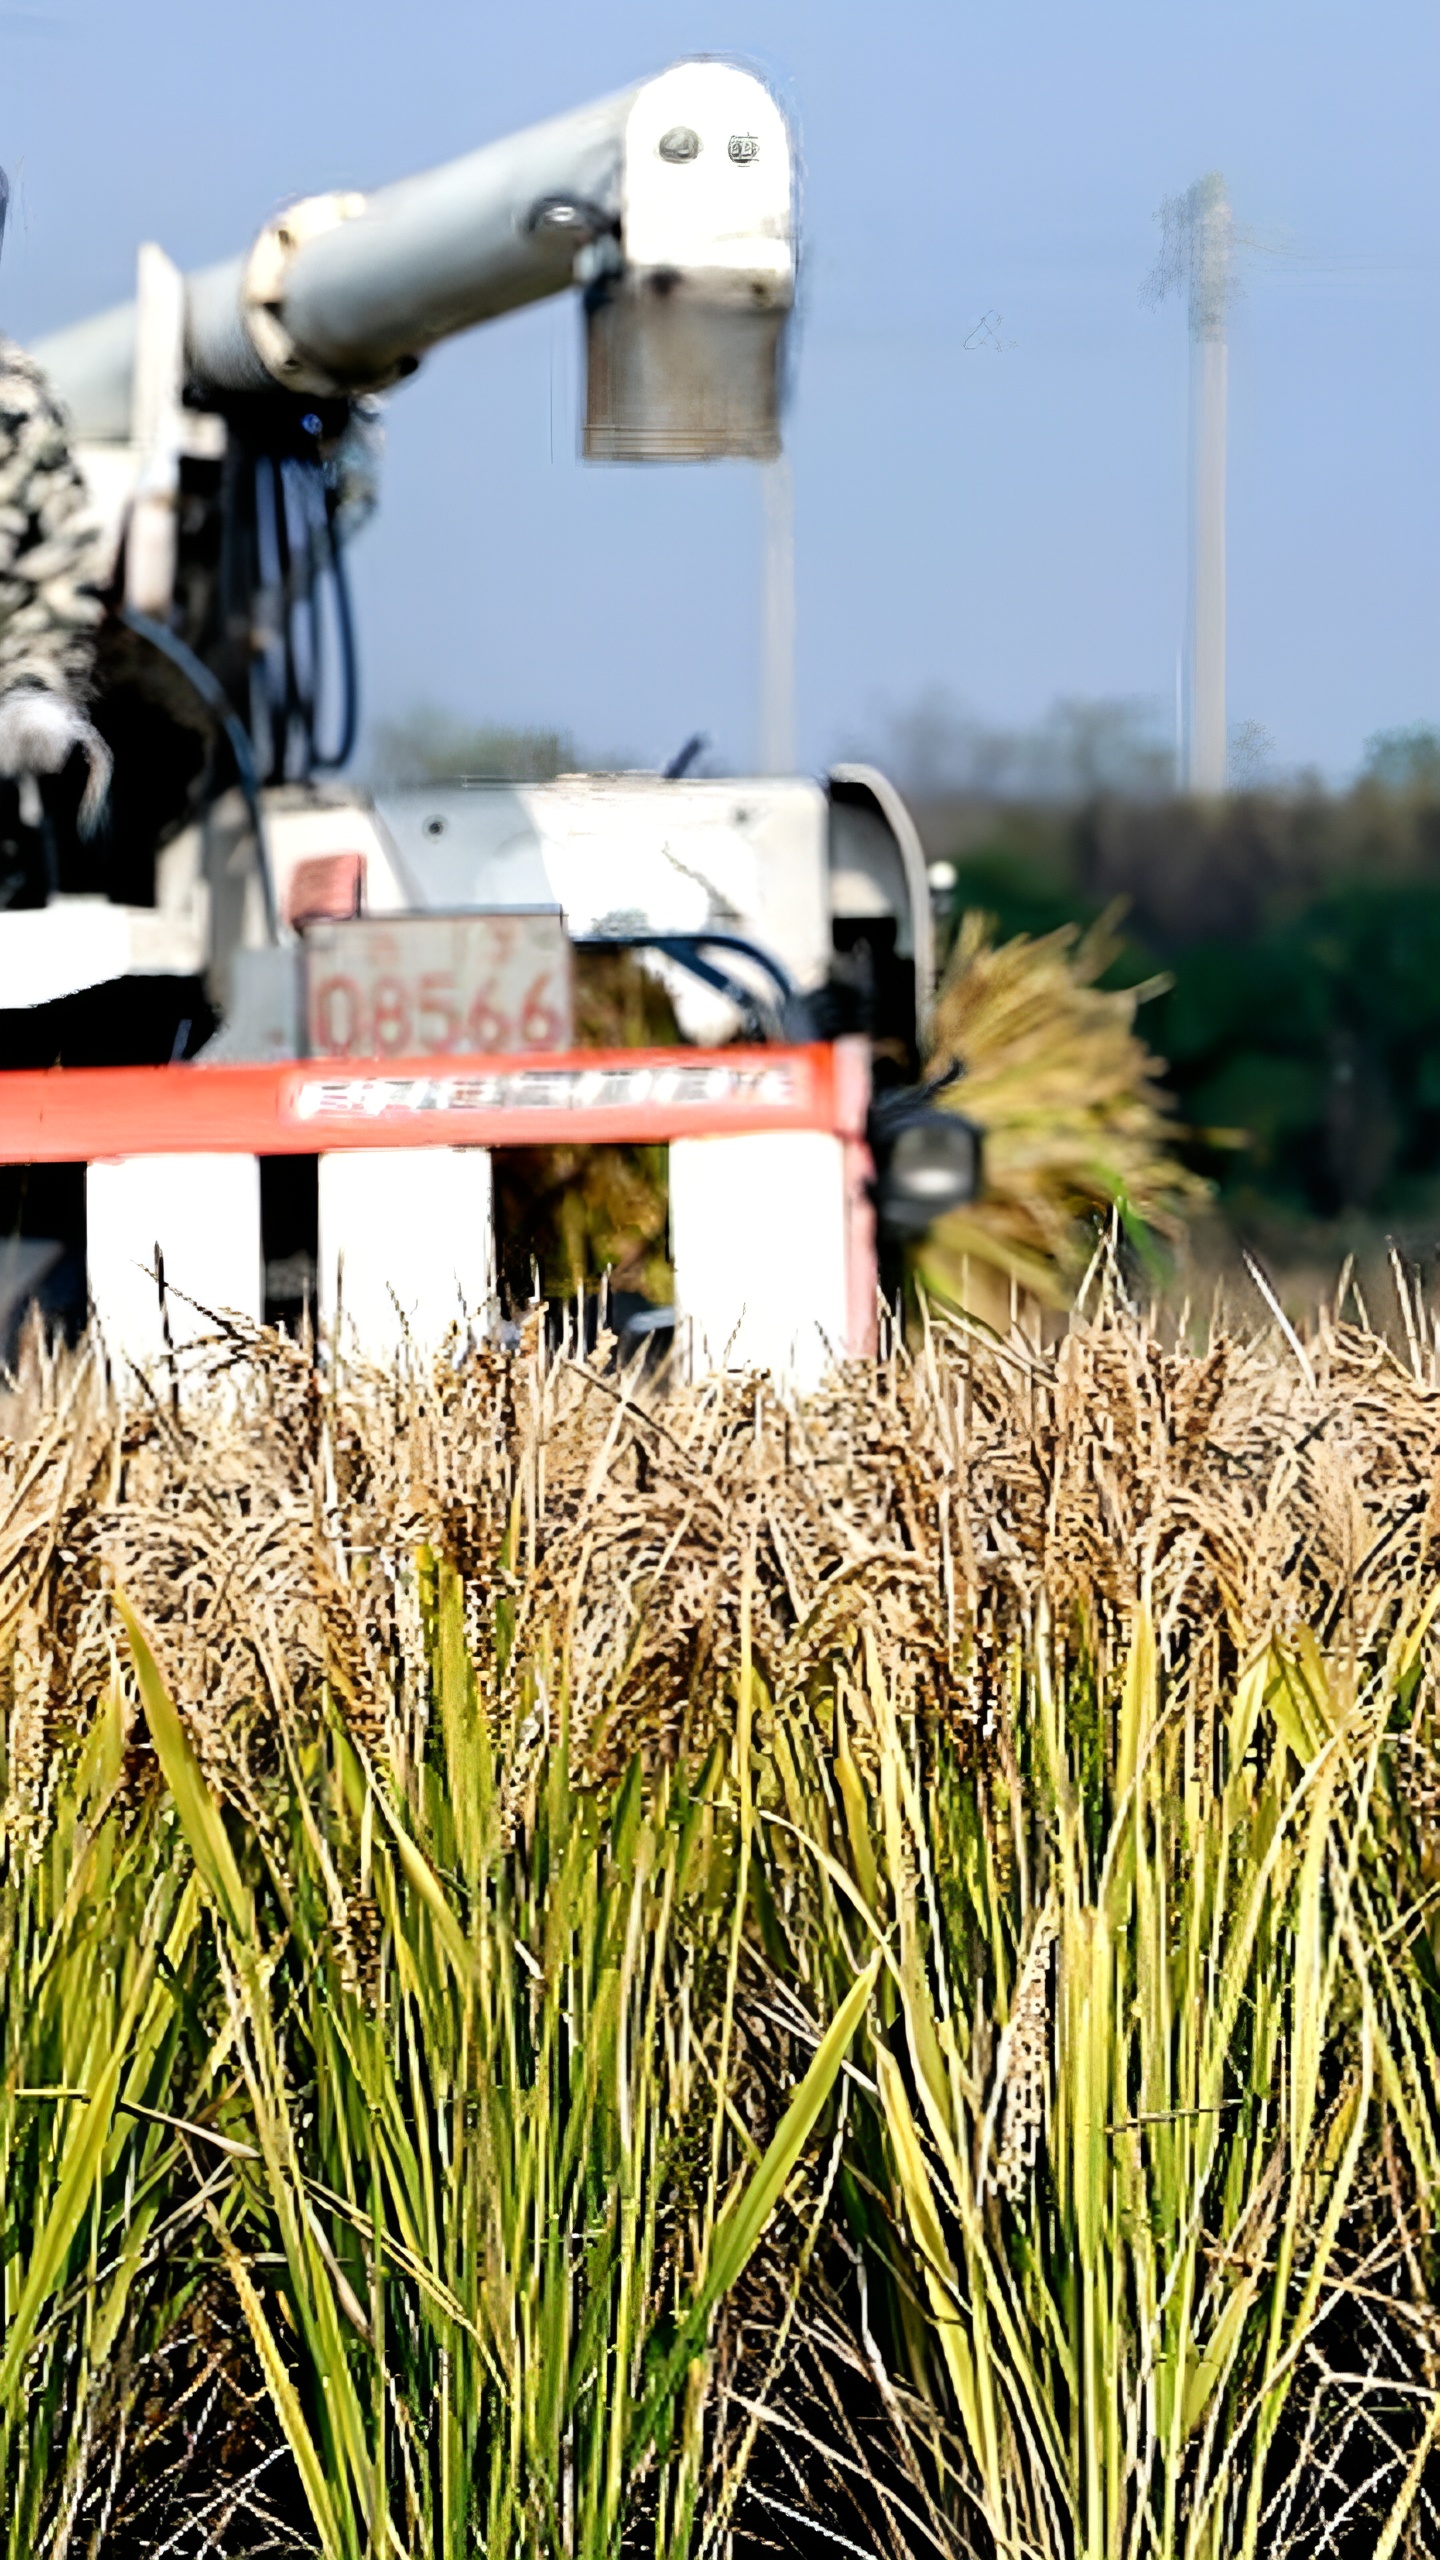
column 239, row 910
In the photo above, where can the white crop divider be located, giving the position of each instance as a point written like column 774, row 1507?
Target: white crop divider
column 406, row 1246
column 202, row 1212
column 772, row 1225
column 760, row 1235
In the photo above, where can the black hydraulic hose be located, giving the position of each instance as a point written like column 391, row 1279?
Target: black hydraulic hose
column 267, row 737
column 687, row 949
column 280, row 542
column 280, row 536
column 345, row 633
column 679, row 765
column 302, row 562
column 293, row 701
column 212, row 693
column 752, row 1012
column 679, row 946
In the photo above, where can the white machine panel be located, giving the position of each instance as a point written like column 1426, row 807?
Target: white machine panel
column 631, row 850
column 708, row 181
column 406, row 1246
column 759, row 1236
column 203, row 1214
column 48, row 952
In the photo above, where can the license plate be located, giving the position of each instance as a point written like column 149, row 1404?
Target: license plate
column 432, row 986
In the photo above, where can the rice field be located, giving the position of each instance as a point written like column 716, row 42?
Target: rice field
column 590, row 1970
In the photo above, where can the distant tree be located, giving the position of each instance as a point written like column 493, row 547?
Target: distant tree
column 1081, row 750
column 431, row 745
column 1404, row 759
column 1300, row 931
column 1252, row 757
column 1085, row 747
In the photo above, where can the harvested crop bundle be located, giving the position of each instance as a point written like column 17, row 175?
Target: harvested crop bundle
column 1076, row 1124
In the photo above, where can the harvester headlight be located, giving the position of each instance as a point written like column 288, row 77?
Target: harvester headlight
column 934, row 1167
column 927, row 1161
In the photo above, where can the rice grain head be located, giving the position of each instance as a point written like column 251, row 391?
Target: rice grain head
column 1025, row 2064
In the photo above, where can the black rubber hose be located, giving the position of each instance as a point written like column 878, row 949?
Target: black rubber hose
column 345, row 633
column 297, row 585
column 212, row 693
column 267, row 735
column 688, row 950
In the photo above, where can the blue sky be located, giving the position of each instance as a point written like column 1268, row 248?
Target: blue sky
column 999, row 528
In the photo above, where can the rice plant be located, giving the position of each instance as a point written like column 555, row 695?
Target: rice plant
column 509, row 2203
column 543, row 1923
column 108, row 2161
column 1150, row 2003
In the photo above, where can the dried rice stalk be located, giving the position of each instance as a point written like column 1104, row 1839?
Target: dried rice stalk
column 1069, row 1098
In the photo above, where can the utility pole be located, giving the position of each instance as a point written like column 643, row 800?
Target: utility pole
column 777, row 635
column 1197, row 253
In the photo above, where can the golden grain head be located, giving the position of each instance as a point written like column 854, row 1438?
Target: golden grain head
column 932, row 1505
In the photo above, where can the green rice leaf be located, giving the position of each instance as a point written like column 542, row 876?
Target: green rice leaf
column 200, row 1817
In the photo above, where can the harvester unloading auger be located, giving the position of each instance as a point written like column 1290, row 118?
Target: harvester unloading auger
column 253, row 978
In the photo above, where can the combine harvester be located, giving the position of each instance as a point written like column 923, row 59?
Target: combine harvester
column 293, row 1022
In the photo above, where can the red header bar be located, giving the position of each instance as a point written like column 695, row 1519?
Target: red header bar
column 617, row 1097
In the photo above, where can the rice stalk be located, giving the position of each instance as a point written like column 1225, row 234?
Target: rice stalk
column 514, row 1777
column 1121, row 2120
column 100, row 1959
column 503, row 2264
